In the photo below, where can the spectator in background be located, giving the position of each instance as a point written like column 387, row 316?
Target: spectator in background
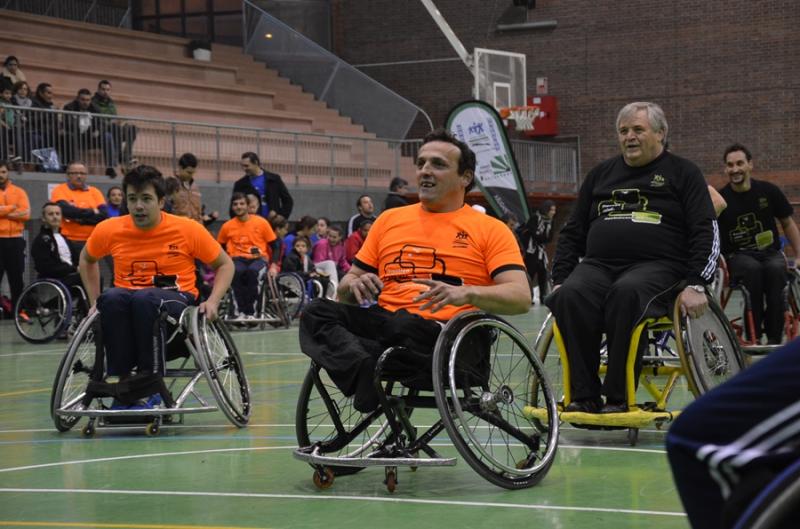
column 298, row 260
column 321, row 231
column 114, row 203
column 305, row 227
column 11, row 73
column 52, row 253
column 123, row 134
column 22, row 133
column 187, row 199
column 366, row 211
column 353, row 243
column 7, row 122
column 534, row 236
column 43, row 125
column 254, row 205
column 269, row 187
column 22, row 94
column 83, row 206
column 396, row 197
column 329, row 254
column 85, row 132
column 15, row 210
column 281, row 227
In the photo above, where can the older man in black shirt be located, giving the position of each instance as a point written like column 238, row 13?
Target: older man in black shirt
column 643, row 224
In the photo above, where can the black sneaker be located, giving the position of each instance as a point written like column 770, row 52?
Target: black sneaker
column 111, row 173
column 584, row 406
column 615, row 407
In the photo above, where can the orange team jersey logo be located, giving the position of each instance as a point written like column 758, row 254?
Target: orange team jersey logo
column 462, row 247
column 162, row 257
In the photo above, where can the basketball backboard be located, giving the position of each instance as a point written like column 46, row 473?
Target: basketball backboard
column 500, row 77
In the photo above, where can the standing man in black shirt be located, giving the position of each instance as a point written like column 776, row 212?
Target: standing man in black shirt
column 750, row 241
column 643, row 224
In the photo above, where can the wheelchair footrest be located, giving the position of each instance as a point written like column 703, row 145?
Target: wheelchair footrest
column 634, row 418
column 314, row 457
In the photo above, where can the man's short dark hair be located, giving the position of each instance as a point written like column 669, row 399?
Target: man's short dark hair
column 187, row 159
column 737, row 147
column 238, row 196
column 48, row 204
column 253, row 157
column 84, row 92
column 278, row 221
column 358, row 202
column 104, row 81
column 138, row 177
column 76, row 162
column 397, row 183
column 306, row 222
column 335, row 227
column 466, row 162
column 41, row 87
column 9, row 59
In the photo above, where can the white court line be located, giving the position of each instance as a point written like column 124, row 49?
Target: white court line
column 306, row 497
column 47, row 352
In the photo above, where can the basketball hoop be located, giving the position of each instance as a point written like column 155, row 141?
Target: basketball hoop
column 523, row 116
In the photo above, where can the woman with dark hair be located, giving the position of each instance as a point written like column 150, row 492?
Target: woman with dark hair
column 534, row 236
column 11, row 74
column 115, row 202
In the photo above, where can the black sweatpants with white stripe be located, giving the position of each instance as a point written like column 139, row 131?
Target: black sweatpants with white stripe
column 736, row 436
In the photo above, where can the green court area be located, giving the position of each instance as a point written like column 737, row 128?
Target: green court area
column 206, row 473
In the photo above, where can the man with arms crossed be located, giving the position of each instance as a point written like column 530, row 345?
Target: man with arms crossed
column 423, row 264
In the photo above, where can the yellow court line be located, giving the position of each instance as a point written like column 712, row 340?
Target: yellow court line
column 114, row 525
column 24, row 392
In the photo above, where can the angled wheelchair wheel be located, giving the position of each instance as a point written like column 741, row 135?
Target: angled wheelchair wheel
column 222, row 365
column 777, row 506
column 325, row 417
column 227, row 306
column 708, row 348
column 74, row 372
column 271, row 304
column 292, row 288
column 43, row 311
column 482, row 380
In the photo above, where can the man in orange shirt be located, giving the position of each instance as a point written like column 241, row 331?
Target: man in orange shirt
column 154, row 255
column 15, row 209
column 423, row 263
column 246, row 238
column 82, row 206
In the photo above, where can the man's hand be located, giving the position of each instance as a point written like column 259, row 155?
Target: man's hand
column 210, row 309
column 441, row 294
column 693, row 303
column 366, row 287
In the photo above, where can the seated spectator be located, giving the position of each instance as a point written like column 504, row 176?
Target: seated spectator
column 11, row 73
column 246, row 238
column 114, row 202
column 86, row 132
column 330, row 257
column 353, row 243
column 299, row 261
column 321, row 232
column 254, row 206
column 52, row 253
column 123, row 134
column 305, row 227
column 396, row 197
column 366, row 211
column 22, row 133
column 44, row 125
column 7, row 123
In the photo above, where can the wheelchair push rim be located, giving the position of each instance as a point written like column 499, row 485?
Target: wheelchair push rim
column 48, row 307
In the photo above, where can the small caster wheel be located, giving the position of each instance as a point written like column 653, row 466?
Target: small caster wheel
column 152, row 429
column 391, row 478
column 88, row 430
column 633, row 436
column 323, row 478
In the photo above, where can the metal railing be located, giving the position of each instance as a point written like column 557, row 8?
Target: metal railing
column 48, row 139
column 340, row 85
column 94, row 11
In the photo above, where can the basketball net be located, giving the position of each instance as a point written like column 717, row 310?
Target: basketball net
column 522, row 116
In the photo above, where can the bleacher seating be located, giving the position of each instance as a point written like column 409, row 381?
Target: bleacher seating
column 153, row 77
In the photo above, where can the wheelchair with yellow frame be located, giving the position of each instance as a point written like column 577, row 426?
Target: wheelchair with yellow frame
column 193, row 349
column 483, row 374
column 704, row 351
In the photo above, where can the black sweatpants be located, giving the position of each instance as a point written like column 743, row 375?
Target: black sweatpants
column 598, row 297
column 764, row 275
column 347, row 340
column 12, row 264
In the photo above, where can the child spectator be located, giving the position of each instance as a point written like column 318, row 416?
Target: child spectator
column 353, row 243
column 322, row 230
column 299, row 261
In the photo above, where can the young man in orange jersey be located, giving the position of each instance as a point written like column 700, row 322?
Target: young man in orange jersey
column 423, row 263
column 246, row 238
column 14, row 211
column 154, row 255
column 82, row 206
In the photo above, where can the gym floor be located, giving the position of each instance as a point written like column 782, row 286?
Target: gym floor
column 206, row 473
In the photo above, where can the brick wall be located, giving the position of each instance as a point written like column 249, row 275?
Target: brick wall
column 724, row 70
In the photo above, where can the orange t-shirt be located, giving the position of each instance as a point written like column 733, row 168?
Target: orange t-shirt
column 239, row 237
column 15, row 209
column 88, row 198
column 162, row 256
column 460, row 247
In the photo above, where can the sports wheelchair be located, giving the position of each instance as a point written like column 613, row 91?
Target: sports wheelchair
column 483, row 375
column 271, row 307
column 706, row 352
column 47, row 308
column 298, row 292
column 203, row 349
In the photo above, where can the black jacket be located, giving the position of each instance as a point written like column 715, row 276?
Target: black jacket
column 46, row 260
column 277, row 195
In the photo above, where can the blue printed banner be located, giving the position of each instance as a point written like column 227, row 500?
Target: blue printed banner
column 479, row 125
